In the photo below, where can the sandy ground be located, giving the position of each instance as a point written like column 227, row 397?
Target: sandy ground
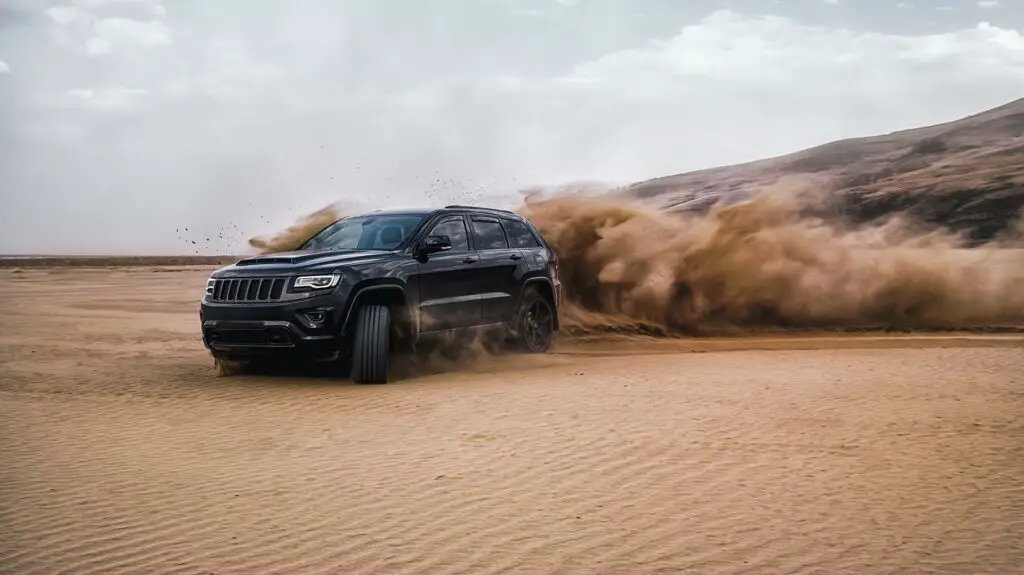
column 122, row 453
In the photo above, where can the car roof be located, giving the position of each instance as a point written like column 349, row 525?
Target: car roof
column 396, row 212
column 483, row 210
column 451, row 208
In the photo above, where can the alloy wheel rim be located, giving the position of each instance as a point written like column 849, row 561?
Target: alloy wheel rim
column 537, row 328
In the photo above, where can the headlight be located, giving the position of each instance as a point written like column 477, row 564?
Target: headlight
column 316, row 282
column 210, row 283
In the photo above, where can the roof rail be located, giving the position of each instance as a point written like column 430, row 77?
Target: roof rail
column 481, row 208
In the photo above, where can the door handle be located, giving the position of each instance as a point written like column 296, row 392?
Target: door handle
column 515, row 257
column 469, row 260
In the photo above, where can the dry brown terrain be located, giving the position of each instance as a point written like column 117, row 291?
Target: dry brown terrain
column 51, row 261
column 966, row 175
column 122, row 453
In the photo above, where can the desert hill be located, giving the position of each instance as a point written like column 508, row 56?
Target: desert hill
column 966, row 174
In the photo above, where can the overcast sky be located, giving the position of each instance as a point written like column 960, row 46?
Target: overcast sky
column 122, row 121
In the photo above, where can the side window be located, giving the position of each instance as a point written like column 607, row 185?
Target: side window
column 488, row 235
column 519, row 235
column 454, row 228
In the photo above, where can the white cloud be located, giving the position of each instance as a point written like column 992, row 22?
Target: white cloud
column 988, row 3
column 75, row 26
column 116, row 98
column 127, row 32
column 733, row 88
column 67, row 16
column 294, row 108
column 832, row 2
column 229, row 72
column 4, row 68
column 767, row 51
column 154, row 6
column 94, row 4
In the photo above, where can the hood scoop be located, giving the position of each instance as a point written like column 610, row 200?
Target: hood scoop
column 307, row 256
column 284, row 258
column 264, row 260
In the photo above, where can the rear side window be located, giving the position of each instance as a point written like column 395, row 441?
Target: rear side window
column 519, row 236
column 488, row 235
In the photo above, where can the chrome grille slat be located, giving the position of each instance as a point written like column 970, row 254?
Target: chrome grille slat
column 247, row 290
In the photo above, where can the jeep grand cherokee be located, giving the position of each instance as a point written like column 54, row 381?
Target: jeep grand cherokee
column 370, row 284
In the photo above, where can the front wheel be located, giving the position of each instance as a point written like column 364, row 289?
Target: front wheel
column 535, row 329
column 370, row 349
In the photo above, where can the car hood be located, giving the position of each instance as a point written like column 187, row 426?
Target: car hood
column 304, row 260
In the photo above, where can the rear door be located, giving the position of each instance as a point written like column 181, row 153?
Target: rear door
column 448, row 281
column 498, row 269
column 536, row 255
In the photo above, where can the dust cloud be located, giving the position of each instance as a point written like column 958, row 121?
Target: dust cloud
column 297, row 234
column 766, row 263
column 761, row 263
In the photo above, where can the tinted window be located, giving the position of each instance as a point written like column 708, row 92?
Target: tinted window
column 488, row 235
column 455, row 229
column 519, row 235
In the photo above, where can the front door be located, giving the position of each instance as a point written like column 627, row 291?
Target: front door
column 448, row 292
column 498, row 270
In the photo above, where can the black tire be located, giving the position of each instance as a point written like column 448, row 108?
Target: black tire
column 370, row 348
column 535, row 323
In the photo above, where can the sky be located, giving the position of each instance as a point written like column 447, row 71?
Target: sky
column 124, row 122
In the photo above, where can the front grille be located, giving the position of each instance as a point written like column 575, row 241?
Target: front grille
column 247, row 289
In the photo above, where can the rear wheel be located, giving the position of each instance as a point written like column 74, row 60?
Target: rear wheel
column 370, row 348
column 535, row 327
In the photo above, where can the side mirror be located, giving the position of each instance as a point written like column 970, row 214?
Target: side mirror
column 435, row 244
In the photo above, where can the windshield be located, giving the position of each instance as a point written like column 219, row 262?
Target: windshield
column 383, row 232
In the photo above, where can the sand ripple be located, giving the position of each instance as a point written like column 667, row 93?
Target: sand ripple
column 123, row 454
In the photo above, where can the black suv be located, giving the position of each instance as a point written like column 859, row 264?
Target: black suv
column 366, row 285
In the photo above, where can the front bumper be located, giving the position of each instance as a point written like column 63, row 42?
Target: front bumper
column 308, row 326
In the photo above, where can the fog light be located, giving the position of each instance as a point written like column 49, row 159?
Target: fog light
column 316, row 317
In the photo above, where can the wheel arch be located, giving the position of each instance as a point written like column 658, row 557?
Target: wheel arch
column 546, row 289
column 387, row 292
